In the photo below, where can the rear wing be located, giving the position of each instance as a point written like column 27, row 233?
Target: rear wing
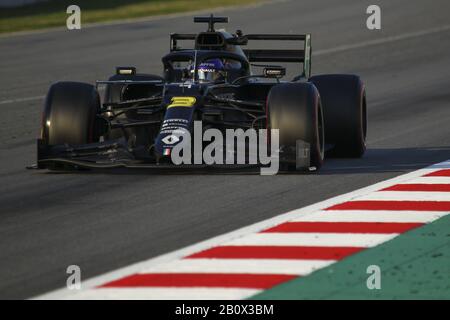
column 302, row 55
column 212, row 40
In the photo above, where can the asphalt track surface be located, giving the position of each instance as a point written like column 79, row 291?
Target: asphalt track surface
column 106, row 220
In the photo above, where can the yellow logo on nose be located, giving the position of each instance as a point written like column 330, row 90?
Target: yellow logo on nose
column 182, row 102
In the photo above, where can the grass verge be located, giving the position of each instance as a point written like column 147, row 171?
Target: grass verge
column 52, row 13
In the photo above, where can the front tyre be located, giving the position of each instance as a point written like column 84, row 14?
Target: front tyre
column 70, row 113
column 69, row 117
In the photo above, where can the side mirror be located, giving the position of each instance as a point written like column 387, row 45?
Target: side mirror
column 238, row 41
column 274, row 72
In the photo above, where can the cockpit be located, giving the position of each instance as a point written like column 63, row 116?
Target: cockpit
column 204, row 66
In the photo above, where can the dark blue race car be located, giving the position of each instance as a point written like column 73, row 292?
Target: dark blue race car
column 215, row 82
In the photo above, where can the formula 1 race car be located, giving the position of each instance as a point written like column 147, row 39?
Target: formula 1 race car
column 136, row 124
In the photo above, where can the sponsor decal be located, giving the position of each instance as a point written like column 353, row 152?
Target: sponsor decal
column 172, row 139
column 182, row 102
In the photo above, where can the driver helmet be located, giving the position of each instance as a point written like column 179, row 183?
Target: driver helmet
column 211, row 70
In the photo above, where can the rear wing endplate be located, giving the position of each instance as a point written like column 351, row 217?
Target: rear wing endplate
column 175, row 37
column 302, row 55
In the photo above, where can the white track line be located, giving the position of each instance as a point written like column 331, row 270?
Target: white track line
column 18, row 100
column 167, row 294
column 407, row 195
column 384, row 40
column 430, row 180
column 363, row 240
column 371, row 216
column 309, row 212
column 261, row 266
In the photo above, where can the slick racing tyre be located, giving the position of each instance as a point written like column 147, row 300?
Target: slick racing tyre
column 115, row 93
column 345, row 113
column 295, row 110
column 70, row 114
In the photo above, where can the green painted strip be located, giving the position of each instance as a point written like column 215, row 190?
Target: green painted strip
column 52, row 13
column 415, row 265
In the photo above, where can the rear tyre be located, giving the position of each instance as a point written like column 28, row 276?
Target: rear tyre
column 70, row 114
column 295, row 109
column 345, row 113
column 115, row 92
